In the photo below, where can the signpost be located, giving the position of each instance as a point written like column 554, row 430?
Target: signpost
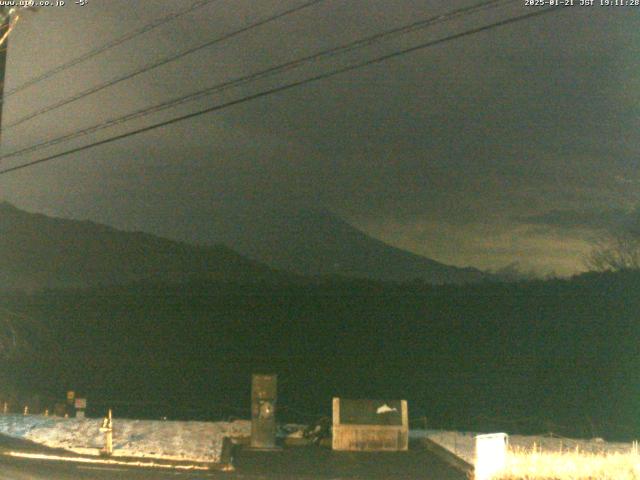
column 69, row 410
column 263, row 411
column 80, row 405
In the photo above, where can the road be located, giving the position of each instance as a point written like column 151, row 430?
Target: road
column 304, row 463
column 28, row 469
column 17, row 468
column 319, row 463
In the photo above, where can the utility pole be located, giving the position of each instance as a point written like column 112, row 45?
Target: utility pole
column 4, row 29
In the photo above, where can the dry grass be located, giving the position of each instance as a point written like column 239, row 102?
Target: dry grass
column 534, row 464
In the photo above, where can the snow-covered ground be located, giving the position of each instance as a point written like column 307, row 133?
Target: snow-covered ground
column 192, row 441
column 202, row 441
column 462, row 444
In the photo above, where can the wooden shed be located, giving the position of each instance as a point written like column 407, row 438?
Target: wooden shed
column 370, row 425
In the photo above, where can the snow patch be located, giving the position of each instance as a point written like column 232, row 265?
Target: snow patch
column 462, row 444
column 169, row 440
column 385, row 409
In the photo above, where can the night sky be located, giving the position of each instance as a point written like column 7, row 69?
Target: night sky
column 518, row 144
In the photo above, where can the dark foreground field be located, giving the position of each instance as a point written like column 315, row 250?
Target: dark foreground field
column 534, row 357
column 301, row 463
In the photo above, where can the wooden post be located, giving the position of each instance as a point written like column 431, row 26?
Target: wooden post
column 107, row 428
column 109, row 439
column 226, row 457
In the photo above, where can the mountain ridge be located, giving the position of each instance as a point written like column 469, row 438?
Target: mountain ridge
column 321, row 243
column 39, row 252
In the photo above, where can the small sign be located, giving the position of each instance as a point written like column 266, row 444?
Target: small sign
column 81, row 403
column 70, row 396
column 370, row 425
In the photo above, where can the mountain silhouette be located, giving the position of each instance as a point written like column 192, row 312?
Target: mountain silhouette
column 37, row 251
column 318, row 242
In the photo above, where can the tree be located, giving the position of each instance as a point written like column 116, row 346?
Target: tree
column 8, row 334
column 616, row 252
column 18, row 334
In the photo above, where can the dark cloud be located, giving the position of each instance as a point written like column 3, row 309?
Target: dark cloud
column 461, row 152
column 611, row 220
column 576, row 219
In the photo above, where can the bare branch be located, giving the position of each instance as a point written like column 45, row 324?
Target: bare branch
column 616, row 252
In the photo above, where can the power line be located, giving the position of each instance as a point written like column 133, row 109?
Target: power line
column 107, row 46
column 361, row 43
column 285, row 87
column 157, row 64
